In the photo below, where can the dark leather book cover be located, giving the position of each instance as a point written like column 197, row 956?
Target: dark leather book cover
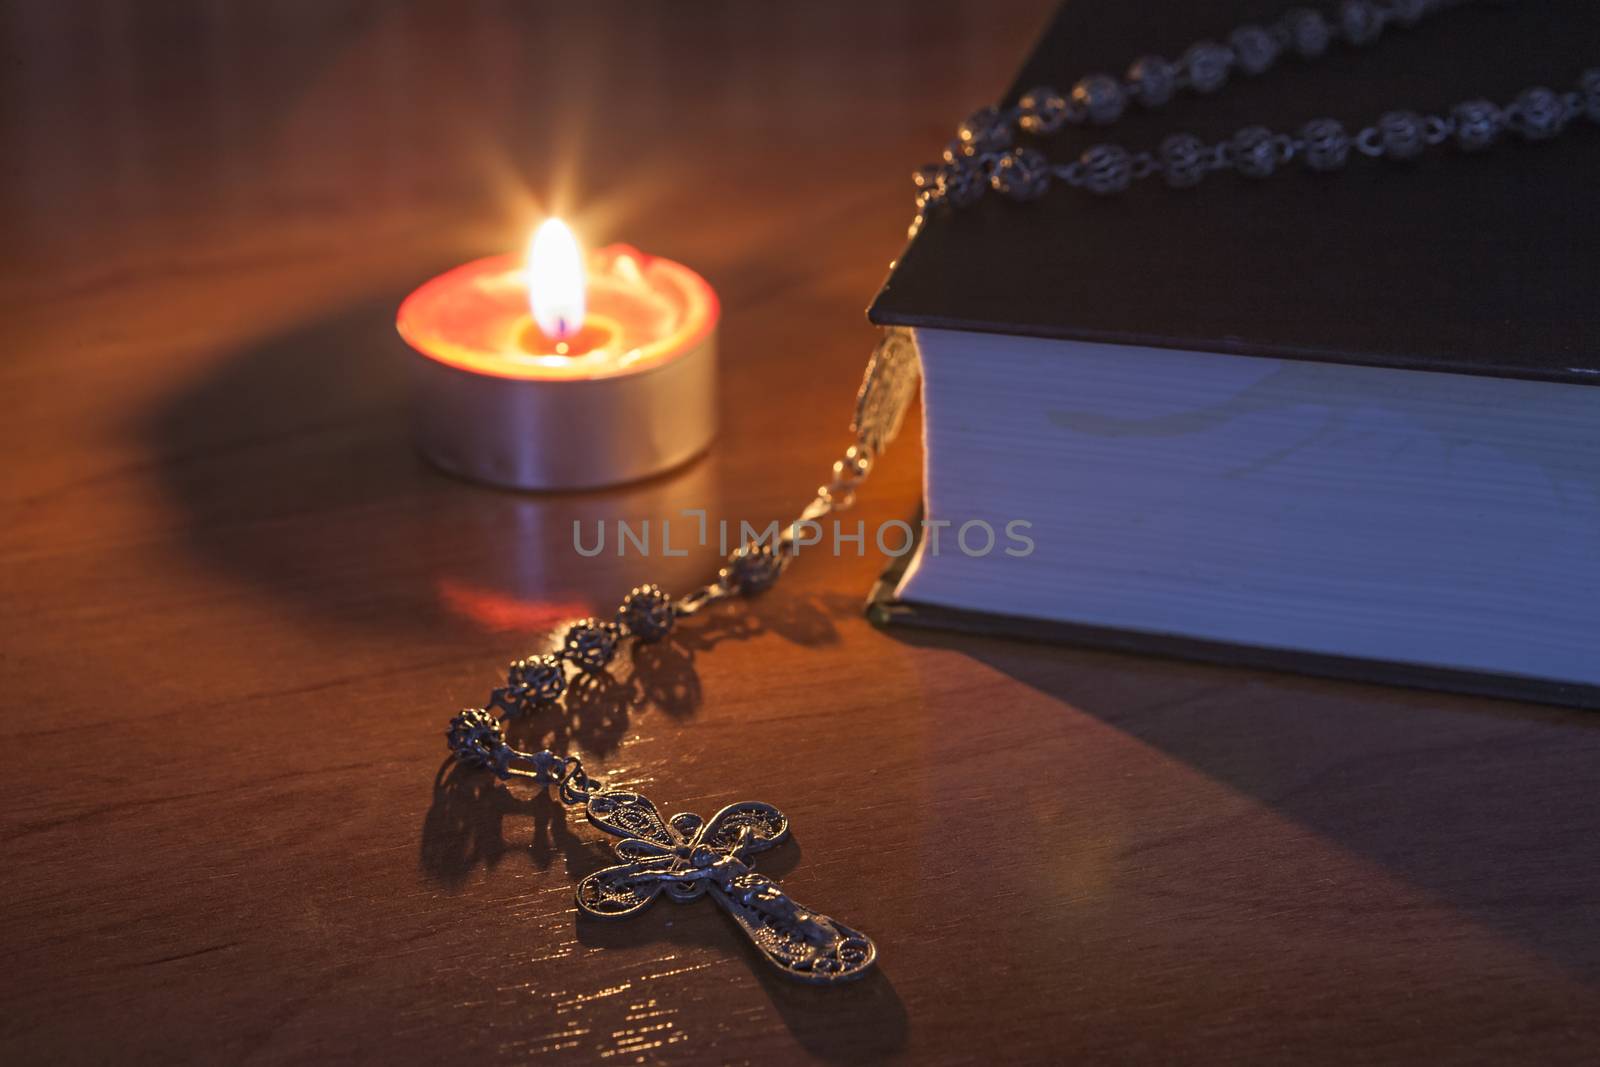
column 1485, row 263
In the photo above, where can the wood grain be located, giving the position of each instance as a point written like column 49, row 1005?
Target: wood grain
column 237, row 609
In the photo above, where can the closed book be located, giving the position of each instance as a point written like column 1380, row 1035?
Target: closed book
column 1343, row 422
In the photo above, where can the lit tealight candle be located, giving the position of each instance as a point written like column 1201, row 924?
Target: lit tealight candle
column 549, row 372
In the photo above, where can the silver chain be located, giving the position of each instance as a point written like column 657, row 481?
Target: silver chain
column 686, row 857
column 983, row 155
column 647, row 614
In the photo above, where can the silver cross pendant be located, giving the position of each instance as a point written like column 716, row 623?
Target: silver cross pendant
column 687, row 857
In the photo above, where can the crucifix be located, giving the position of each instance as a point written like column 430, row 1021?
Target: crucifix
column 684, row 858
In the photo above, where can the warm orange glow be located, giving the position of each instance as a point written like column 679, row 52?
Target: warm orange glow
column 556, row 284
column 641, row 311
column 597, row 332
column 499, row 612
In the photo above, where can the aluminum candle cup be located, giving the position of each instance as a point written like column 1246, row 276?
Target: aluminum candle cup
column 529, row 378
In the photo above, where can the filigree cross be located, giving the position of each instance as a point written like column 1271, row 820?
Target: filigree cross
column 687, row 857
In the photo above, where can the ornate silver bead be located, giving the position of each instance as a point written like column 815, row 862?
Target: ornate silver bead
column 1152, row 80
column 1043, row 110
column 1360, row 21
column 962, row 184
column 1021, row 174
column 590, row 644
column 537, row 679
column 646, row 613
column 1183, row 160
column 475, row 738
column 985, row 130
column 1254, row 152
column 1107, row 169
column 1538, row 114
column 1478, row 124
column 1254, row 49
column 1401, row 134
column 1206, row 63
column 1308, row 32
column 753, row 567
column 1101, row 97
column 1327, row 144
column 1589, row 86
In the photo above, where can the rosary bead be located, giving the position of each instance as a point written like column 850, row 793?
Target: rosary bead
column 1538, row 114
column 647, row 613
column 1152, row 80
column 1255, row 153
column 1183, row 160
column 475, row 738
column 1101, row 97
column 1253, row 48
column 1107, row 169
column 537, row 679
column 590, row 644
column 1401, row 134
column 1327, row 144
column 1022, row 174
column 1478, row 124
column 1360, row 21
column 985, row 130
column 1043, row 110
column 962, row 184
column 751, row 568
column 1589, row 86
column 1207, row 64
column 1308, row 32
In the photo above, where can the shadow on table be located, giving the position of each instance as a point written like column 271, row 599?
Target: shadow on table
column 289, row 464
column 1491, row 806
column 465, row 828
column 863, row 1024
column 290, row 467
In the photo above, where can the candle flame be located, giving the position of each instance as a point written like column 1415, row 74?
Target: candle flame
column 555, row 280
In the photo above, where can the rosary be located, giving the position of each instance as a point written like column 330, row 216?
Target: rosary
column 685, row 857
column 982, row 155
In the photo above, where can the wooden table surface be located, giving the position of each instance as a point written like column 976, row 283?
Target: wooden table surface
column 237, row 609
